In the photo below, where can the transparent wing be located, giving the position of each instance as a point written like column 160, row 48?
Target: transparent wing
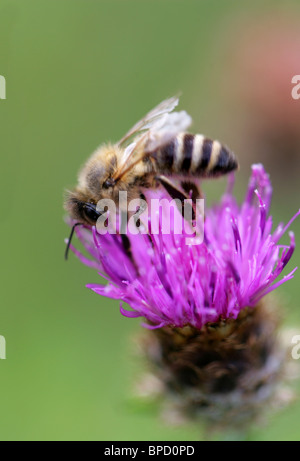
column 165, row 129
column 155, row 130
column 153, row 116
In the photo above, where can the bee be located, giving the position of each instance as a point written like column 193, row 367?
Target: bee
column 156, row 151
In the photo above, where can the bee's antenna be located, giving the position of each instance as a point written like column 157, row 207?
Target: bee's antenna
column 70, row 239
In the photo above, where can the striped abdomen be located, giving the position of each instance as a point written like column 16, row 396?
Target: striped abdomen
column 195, row 155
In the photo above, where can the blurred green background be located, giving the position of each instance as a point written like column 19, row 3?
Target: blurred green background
column 80, row 72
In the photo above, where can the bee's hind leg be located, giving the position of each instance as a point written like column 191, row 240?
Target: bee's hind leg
column 178, row 192
column 192, row 189
column 174, row 190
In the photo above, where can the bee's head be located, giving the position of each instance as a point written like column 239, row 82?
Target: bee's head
column 82, row 209
column 95, row 183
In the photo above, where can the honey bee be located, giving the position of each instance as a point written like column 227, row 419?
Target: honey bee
column 156, row 151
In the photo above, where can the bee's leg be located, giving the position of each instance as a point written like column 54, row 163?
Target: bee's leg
column 192, row 189
column 127, row 248
column 144, row 199
column 125, row 240
column 194, row 192
column 174, row 190
column 140, row 210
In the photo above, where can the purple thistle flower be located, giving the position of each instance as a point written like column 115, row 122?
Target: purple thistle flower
column 170, row 283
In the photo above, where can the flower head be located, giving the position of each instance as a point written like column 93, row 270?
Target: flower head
column 171, row 283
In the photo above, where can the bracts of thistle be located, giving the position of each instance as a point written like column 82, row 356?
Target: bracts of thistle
column 212, row 339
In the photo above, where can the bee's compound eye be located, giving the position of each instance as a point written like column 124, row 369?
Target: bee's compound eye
column 90, row 212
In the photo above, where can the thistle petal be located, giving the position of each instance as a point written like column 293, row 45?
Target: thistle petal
column 170, row 283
